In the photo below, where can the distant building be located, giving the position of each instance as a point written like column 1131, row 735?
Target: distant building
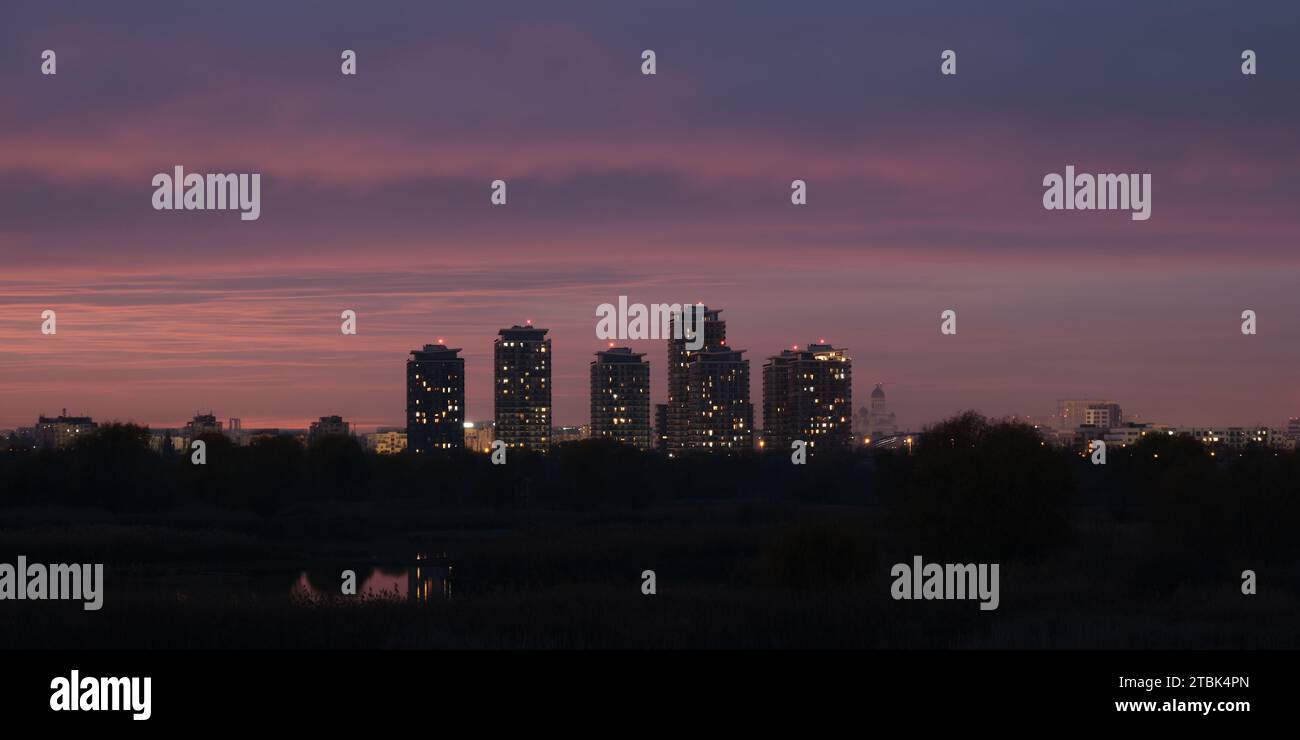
column 1075, row 412
column 235, row 431
column 1104, row 415
column 661, row 427
column 570, row 433
column 435, row 399
column 620, row 397
column 62, row 430
column 808, row 396
column 479, row 435
column 876, row 421
column 1239, row 438
column 328, row 426
column 200, row 425
column 386, row 441
column 169, row 440
column 721, row 416
column 1127, row 434
column 1235, row 438
column 522, row 387
column 680, row 412
column 1293, row 428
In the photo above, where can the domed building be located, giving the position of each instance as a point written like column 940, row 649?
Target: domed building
column 876, row 421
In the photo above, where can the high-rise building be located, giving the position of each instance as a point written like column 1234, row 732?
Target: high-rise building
column 808, row 395
column 522, row 393
column 620, row 397
column 62, row 430
column 661, row 427
column 720, row 416
column 714, row 330
column 435, row 399
column 328, row 426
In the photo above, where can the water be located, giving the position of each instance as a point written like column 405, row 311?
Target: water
column 427, row 580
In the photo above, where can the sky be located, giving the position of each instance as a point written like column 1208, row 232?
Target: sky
column 924, row 194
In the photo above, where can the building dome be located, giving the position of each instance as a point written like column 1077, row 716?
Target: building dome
column 878, row 392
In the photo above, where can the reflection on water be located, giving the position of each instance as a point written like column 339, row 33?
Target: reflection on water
column 426, row 581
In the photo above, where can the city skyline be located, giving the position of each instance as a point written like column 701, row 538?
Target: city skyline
column 1102, row 412
column 924, row 194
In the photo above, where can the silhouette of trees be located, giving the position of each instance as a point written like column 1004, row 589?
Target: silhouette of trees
column 970, row 488
column 986, row 489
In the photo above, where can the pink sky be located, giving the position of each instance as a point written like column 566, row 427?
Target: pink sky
column 924, row 194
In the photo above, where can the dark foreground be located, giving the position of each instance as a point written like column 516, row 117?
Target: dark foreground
column 1168, row 545
column 728, row 576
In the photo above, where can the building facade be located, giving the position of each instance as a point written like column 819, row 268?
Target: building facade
column 328, row 426
column 53, row 432
column 720, row 415
column 620, row 397
column 435, row 399
column 479, row 436
column 808, row 396
column 679, row 413
column 522, row 388
column 1075, row 412
column 386, row 441
column 201, row 424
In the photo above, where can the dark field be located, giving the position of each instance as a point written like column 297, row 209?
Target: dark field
column 1145, row 552
column 729, row 576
